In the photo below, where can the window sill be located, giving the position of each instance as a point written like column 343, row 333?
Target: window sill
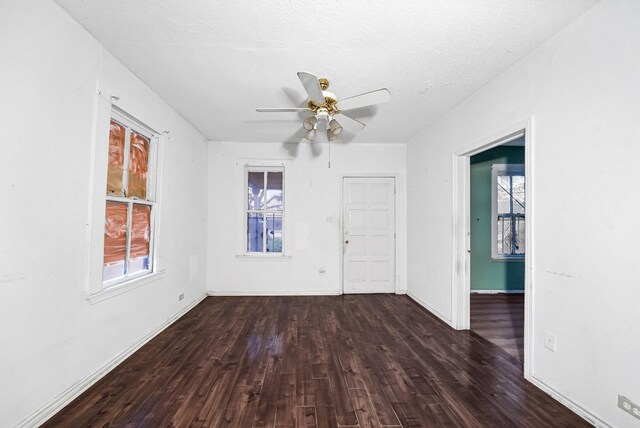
column 263, row 256
column 125, row 287
column 507, row 259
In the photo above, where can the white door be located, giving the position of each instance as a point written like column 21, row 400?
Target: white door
column 368, row 235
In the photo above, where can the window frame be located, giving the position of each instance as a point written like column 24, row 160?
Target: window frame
column 501, row 170
column 246, row 211
column 129, row 123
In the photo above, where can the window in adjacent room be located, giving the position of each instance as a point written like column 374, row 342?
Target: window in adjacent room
column 130, row 202
column 508, row 211
column 264, row 210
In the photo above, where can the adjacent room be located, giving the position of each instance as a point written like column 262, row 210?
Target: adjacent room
column 497, row 209
column 308, row 214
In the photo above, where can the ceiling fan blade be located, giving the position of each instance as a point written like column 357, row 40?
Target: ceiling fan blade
column 378, row 96
column 278, row 110
column 312, row 86
column 349, row 123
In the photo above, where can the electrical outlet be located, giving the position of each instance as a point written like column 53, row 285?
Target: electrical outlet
column 181, row 296
column 628, row 406
column 550, row 341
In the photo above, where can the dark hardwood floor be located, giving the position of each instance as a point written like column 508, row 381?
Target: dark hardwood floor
column 499, row 318
column 368, row 361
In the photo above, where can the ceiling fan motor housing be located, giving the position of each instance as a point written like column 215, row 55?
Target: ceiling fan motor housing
column 328, row 105
column 323, row 114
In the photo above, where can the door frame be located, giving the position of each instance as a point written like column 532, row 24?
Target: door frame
column 395, row 223
column 461, row 266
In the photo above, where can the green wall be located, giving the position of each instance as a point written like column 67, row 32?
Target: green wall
column 487, row 274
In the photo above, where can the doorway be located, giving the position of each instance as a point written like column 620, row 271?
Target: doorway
column 461, row 268
column 498, row 245
column 368, row 235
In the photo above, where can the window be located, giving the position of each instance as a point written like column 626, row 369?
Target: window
column 508, row 211
column 130, row 202
column 264, row 210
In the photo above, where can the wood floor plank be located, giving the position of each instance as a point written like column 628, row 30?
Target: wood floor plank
column 325, row 410
column 367, row 417
column 286, row 404
column 306, row 417
column 345, row 412
column 324, row 361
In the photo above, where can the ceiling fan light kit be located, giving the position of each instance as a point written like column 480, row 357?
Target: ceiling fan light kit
column 311, row 134
column 334, row 127
column 325, row 107
column 310, row 123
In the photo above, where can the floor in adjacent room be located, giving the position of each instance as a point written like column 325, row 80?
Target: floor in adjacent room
column 499, row 318
column 356, row 360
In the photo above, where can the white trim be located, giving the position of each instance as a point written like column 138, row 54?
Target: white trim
column 131, row 124
column 497, row 291
column 265, row 170
column 256, row 293
column 568, row 403
column 105, row 112
column 424, row 304
column 265, row 164
column 97, row 206
column 54, row 406
column 263, row 256
column 460, row 267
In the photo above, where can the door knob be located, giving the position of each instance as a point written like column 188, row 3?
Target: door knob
column 346, row 242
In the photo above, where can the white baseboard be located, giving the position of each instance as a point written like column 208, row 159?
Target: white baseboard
column 570, row 404
column 448, row 321
column 283, row 293
column 219, row 293
column 66, row 397
column 497, row 291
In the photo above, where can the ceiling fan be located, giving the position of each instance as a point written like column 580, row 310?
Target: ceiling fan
column 326, row 110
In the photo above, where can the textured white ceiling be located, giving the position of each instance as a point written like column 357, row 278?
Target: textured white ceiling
column 215, row 61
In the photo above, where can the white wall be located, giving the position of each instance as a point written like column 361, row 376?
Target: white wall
column 52, row 337
column 582, row 88
column 312, row 193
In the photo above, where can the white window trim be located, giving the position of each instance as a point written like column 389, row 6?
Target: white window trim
column 97, row 290
column 131, row 123
column 275, row 165
column 501, row 169
column 263, row 169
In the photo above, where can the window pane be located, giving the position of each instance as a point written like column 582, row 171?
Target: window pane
column 274, row 232
column 138, row 165
column 116, row 159
column 504, row 199
column 520, row 235
column 115, row 240
column 255, row 190
column 140, row 237
column 274, row 190
column 518, row 194
column 254, row 232
column 504, row 236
